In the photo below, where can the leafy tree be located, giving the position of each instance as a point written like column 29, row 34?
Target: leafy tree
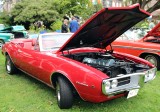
column 83, row 8
column 5, row 18
column 27, row 12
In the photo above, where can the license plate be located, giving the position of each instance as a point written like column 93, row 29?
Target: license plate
column 132, row 93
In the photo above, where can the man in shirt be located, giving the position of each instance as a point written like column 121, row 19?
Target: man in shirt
column 73, row 25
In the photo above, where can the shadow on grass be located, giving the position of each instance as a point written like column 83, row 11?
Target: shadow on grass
column 38, row 83
column 78, row 102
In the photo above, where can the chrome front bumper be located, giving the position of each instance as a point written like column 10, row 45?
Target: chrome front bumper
column 128, row 82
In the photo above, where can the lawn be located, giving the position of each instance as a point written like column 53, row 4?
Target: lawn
column 21, row 93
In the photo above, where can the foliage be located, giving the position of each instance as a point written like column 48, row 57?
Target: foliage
column 92, row 9
column 28, row 12
column 5, row 18
column 32, row 29
column 56, row 25
column 21, row 93
column 143, row 24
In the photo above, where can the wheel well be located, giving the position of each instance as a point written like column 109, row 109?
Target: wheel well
column 145, row 54
column 2, row 40
column 155, row 55
column 55, row 76
column 54, row 79
column 6, row 54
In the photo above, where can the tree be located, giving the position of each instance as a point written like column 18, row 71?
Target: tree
column 83, row 8
column 27, row 12
column 5, row 18
column 144, row 4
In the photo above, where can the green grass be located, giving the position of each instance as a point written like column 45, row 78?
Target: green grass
column 21, row 93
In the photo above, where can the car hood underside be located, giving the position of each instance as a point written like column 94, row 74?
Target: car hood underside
column 105, row 26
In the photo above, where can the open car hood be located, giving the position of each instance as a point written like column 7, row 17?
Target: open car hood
column 105, row 26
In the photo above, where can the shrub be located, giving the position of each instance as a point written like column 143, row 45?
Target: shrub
column 56, row 25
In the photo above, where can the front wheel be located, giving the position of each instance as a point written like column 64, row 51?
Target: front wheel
column 153, row 59
column 64, row 93
column 10, row 68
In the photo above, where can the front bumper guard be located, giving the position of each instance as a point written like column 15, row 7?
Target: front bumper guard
column 137, row 80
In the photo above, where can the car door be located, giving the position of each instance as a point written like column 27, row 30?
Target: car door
column 36, row 64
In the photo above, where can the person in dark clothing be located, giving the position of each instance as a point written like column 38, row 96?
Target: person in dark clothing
column 64, row 28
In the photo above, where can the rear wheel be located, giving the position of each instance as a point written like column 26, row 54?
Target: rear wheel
column 64, row 93
column 153, row 59
column 1, row 43
column 10, row 68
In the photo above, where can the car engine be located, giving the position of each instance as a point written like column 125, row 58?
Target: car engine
column 108, row 64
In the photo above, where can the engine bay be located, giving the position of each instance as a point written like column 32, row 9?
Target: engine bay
column 108, row 64
column 153, row 39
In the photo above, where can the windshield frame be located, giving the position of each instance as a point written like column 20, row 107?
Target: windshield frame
column 40, row 40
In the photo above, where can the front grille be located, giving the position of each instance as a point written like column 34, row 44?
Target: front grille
column 123, row 81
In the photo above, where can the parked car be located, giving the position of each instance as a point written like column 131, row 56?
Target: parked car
column 5, row 37
column 9, row 33
column 147, row 47
column 79, row 63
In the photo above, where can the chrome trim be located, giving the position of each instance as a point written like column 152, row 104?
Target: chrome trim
column 136, row 81
column 139, row 48
column 83, row 84
column 36, row 78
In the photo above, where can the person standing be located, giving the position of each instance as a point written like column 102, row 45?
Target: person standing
column 73, row 25
column 64, row 28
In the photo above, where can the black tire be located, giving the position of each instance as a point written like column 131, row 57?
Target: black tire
column 1, row 43
column 153, row 59
column 10, row 68
column 64, row 93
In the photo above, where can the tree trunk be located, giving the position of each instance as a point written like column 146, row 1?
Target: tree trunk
column 154, row 7
column 143, row 4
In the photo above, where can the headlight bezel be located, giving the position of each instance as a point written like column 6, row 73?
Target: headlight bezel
column 107, row 84
column 137, row 80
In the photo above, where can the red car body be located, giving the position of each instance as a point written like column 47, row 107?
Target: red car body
column 82, row 64
column 147, row 47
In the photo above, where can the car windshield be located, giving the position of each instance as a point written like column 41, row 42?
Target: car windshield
column 53, row 41
column 132, row 35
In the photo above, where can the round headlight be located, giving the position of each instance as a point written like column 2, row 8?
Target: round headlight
column 107, row 85
column 114, row 83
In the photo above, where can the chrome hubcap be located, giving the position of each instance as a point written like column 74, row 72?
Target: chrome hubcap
column 8, row 66
column 152, row 59
column 58, row 92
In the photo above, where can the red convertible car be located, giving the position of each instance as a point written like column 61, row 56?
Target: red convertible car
column 147, row 47
column 79, row 63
